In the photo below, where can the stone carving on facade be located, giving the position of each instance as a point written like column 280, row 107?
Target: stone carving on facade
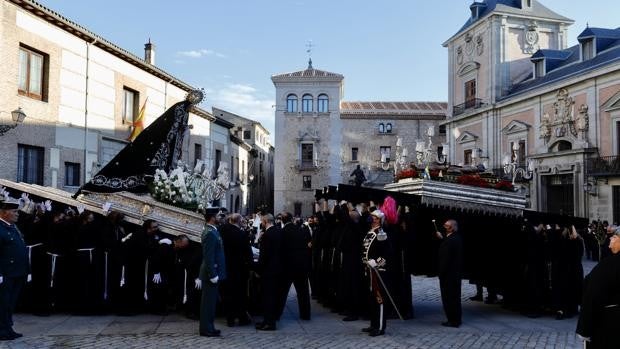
column 531, row 38
column 563, row 123
column 469, row 44
column 479, row 45
column 309, row 134
column 459, row 55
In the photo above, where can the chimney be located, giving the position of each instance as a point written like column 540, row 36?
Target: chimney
column 149, row 52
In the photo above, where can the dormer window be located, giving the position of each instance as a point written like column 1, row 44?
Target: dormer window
column 526, row 4
column 476, row 10
column 539, row 69
column 587, row 49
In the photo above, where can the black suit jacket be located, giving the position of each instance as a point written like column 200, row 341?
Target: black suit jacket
column 237, row 251
column 270, row 257
column 295, row 249
column 451, row 257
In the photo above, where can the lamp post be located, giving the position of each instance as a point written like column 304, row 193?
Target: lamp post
column 425, row 153
column 18, row 117
column 511, row 165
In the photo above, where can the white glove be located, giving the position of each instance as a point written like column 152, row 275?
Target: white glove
column 48, row 205
column 198, row 283
column 29, row 278
column 165, row 241
column 214, row 280
column 126, row 237
column 1, row 279
column 122, row 282
column 4, row 193
column 80, row 208
column 24, row 200
column 106, row 207
column 157, row 278
column 372, row 263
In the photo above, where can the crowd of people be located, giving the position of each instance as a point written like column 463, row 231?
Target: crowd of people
column 355, row 258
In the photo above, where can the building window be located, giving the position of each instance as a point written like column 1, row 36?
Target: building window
column 587, row 49
column 218, row 159
column 381, row 128
column 307, row 182
column 440, row 150
column 323, row 105
column 354, row 154
column 539, row 69
column 467, row 159
column 197, row 152
column 388, row 128
column 291, row 104
column 130, row 105
column 30, row 164
column 385, row 153
column 306, row 101
column 442, row 129
column 307, row 154
column 72, row 174
column 297, row 209
column 32, row 73
column 470, row 93
column 247, row 134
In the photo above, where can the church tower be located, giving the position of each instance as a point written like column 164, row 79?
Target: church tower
column 308, row 136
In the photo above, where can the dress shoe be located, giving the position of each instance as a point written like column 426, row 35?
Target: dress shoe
column 559, row 315
column 368, row 329
column 450, row 324
column 375, row 332
column 215, row 333
column 230, row 323
column 477, row 298
column 267, row 327
column 259, row 325
column 350, row 318
column 16, row 335
column 7, row 337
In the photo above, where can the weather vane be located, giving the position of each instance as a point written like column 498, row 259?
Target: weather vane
column 309, row 52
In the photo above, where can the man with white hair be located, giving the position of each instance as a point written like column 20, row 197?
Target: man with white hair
column 13, row 265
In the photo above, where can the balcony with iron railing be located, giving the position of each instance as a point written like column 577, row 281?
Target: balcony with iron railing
column 603, row 166
column 306, row 165
column 469, row 104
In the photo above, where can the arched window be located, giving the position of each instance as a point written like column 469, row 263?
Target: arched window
column 381, row 128
column 306, row 104
column 323, row 105
column 291, row 103
column 388, row 128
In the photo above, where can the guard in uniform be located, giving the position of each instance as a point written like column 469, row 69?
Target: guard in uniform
column 376, row 256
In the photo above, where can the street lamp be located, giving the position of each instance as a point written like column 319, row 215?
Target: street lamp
column 18, row 117
column 425, row 154
column 511, row 165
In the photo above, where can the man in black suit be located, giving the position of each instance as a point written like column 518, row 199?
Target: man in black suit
column 295, row 251
column 450, row 262
column 13, row 266
column 270, row 271
column 238, row 255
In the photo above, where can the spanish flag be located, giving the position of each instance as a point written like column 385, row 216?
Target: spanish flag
column 138, row 124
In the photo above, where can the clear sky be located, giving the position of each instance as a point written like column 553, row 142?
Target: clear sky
column 387, row 50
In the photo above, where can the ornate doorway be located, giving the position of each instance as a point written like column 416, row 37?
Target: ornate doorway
column 559, row 191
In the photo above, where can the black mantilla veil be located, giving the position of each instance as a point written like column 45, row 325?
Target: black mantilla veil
column 159, row 146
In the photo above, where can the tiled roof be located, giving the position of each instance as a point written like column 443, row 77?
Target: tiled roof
column 604, row 37
column 394, row 108
column 512, row 7
column 560, row 69
column 310, row 73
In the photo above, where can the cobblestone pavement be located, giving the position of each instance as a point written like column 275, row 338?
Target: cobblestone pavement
column 484, row 326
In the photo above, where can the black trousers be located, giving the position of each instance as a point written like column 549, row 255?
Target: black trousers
column 9, row 291
column 300, row 281
column 378, row 308
column 235, row 298
column 451, row 298
column 270, row 294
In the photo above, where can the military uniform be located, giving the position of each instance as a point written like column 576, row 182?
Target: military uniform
column 13, row 270
column 213, row 265
column 377, row 248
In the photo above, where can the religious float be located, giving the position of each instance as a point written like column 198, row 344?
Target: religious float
column 147, row 180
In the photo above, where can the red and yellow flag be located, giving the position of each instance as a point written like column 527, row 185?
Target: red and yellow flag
column 138, row 124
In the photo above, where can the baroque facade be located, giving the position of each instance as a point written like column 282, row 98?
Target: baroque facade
column 320, row 139
column 518, row 94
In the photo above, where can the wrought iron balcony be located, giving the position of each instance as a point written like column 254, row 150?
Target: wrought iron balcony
column 470, row 104
column 305, row 165
column 603, row 166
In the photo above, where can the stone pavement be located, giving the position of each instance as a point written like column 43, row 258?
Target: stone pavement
column 484, row 326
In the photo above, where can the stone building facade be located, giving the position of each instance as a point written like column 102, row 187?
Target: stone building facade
column 81, row 94
column 320, row 138
column 517, row 92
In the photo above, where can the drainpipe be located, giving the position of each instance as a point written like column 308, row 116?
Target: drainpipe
column 88, row 44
